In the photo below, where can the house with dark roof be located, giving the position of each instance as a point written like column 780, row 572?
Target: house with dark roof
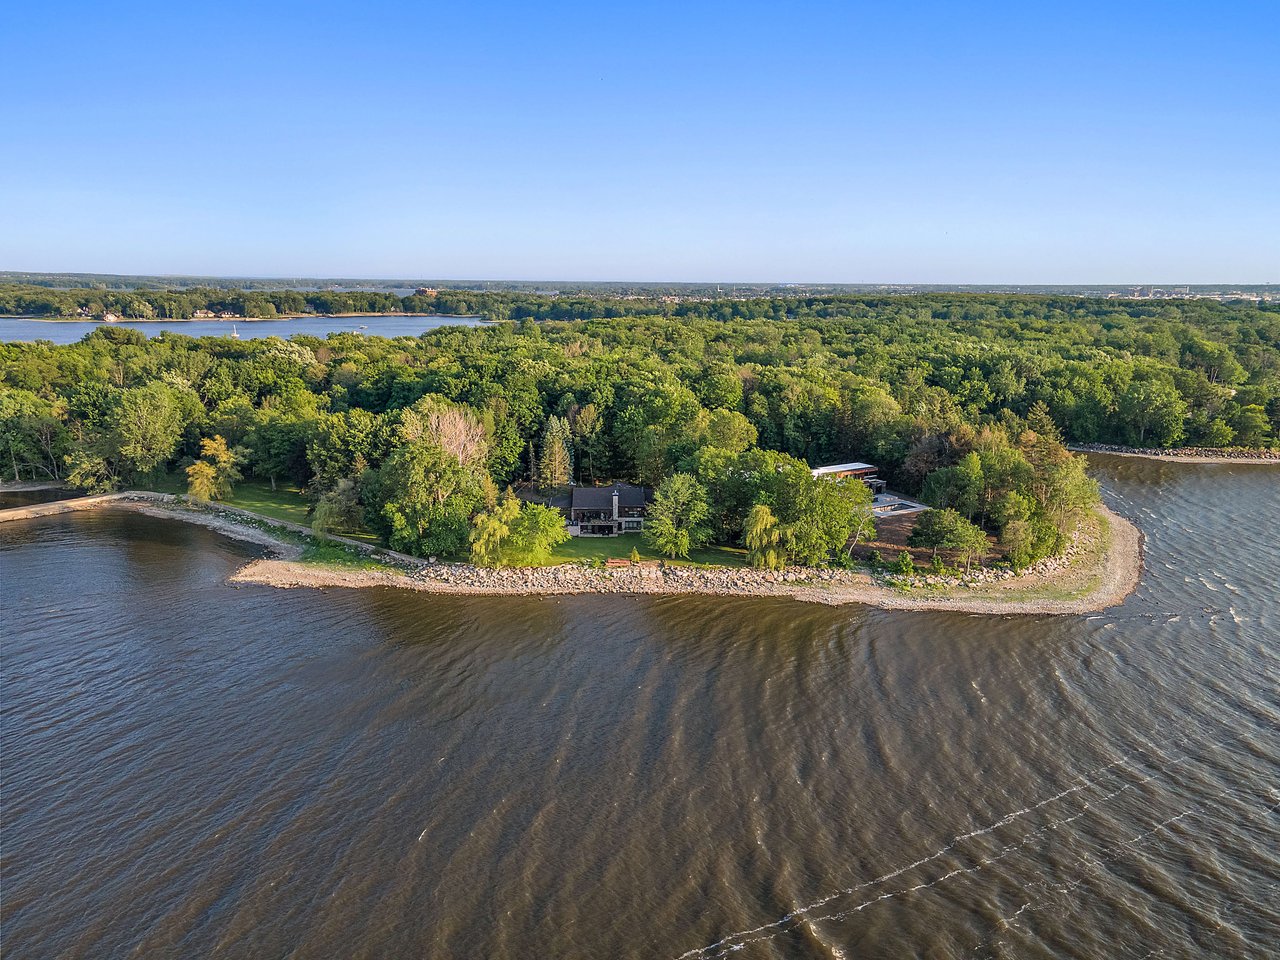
column 608, row 511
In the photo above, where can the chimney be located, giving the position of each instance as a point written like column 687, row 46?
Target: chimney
column 615, row 503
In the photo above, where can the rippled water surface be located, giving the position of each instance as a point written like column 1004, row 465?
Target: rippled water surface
column 192, row 769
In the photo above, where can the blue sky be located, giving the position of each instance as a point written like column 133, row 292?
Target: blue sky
column 843, row 142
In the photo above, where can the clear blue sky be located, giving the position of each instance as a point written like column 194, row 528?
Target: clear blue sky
column 890, row 141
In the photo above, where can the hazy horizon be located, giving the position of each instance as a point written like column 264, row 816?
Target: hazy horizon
column 7, row 275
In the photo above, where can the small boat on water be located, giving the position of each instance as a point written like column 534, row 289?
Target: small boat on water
column 364, row 326
column 235, row 334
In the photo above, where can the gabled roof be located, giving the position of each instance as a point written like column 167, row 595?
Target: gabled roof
column 601, row 498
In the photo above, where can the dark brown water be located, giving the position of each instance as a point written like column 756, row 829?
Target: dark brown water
column 24, row 498
column 196, row 770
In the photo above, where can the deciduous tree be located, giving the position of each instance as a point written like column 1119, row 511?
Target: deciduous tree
column 677, row 521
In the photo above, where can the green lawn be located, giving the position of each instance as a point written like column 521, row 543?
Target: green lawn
column 588, row 549
column 286, row 502
column 330, row 554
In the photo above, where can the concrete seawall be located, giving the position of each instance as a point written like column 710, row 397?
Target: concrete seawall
column 74, row 504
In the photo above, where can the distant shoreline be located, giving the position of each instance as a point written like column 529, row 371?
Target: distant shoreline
column 282, row 317
column 1241, row 455
column 1107, row 569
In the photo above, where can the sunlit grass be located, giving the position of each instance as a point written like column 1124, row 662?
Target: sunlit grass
column 1080, row 579
column 331, row 554
column 286, row 502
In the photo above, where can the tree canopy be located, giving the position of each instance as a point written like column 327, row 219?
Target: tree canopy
column 966, row 400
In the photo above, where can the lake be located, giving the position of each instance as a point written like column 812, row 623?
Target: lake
column 192, row 769
column 71, row 331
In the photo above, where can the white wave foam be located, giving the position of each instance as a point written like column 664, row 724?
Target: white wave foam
column 736, row 941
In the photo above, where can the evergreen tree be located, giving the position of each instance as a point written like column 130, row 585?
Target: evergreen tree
column 555, row 465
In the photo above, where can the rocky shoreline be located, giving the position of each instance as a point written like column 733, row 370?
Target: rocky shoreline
column 1098, row 577
column 1105, row 584
column 1243, row 455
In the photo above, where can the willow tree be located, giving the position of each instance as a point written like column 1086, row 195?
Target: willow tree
column 202, row 481
column 765, row 538
column 491, row 530
column 516, row 535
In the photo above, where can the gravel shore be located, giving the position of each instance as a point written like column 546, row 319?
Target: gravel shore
column 1105, row 582
column 1186, row 454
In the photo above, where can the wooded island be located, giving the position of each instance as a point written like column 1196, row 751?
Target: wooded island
column 457, row 443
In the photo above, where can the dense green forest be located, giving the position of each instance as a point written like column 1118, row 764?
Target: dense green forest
column 960, row 398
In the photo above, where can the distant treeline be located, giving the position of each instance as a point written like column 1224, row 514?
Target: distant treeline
column 589, row 288
column 26, row 300
column 1148, row 374
column 184, row 304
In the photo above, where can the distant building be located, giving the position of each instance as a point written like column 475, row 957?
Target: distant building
column 425, row 291
column 865, row 472
column 608, row 511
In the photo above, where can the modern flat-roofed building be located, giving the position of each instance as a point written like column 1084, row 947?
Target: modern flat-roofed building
column 865, row 472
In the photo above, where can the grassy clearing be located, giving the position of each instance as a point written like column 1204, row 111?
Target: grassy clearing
column 592, row 549
column 286, row 502
column 328, row 553
column 1082, row 578
column 283, row 503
